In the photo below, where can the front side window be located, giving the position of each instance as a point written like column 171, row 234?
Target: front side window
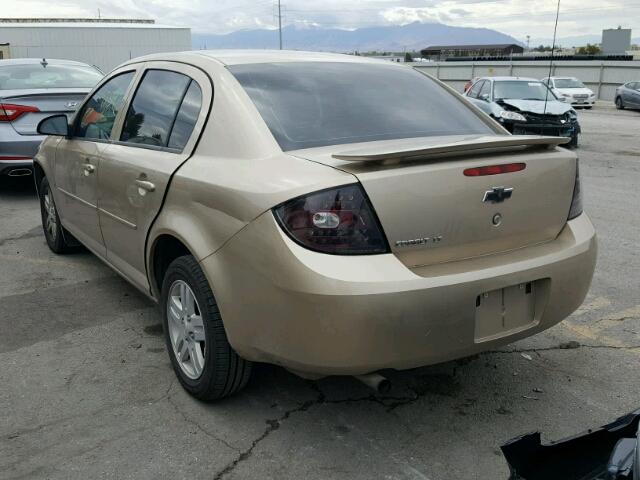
column 312, row 104
column 522, row 90
column 485, row 90
column 475, row 90
column 154, row 107
column 99, row 113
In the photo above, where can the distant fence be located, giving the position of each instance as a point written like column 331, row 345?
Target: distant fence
column 602, row 77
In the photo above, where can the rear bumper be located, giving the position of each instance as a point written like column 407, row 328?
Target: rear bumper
column 16, row 168
column 17, row 151
column 325, row 315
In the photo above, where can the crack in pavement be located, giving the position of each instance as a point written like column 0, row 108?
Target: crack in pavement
column 34, row 232
column 572, row 345
column 196, row 424
column 389, row 403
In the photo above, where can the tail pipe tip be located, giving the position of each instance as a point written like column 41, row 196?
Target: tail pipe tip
column 376, row 382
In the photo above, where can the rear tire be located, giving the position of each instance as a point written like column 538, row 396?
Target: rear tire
column 205, row 363
column 54, row 232
column 619, row 104
column 589, row 108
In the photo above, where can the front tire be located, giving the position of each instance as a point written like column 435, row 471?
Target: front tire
column 205, row 363
column 54, row 232
column 574, row 141
column 619, row 104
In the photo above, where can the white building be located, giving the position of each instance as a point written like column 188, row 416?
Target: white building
column 101, row 42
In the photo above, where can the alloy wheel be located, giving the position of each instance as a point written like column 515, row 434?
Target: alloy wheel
column 186, row 329
column 51, row 220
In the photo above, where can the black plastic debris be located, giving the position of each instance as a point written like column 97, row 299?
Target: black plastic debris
column 611, row 452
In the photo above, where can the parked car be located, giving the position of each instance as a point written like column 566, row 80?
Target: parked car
column 628, row 96
column 298, row 220
column 572, row 90
column 30, row 90
column 525, row 106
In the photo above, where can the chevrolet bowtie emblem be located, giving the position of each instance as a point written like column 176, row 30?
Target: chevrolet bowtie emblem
column 497, row 194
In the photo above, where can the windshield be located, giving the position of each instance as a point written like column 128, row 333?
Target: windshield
column 521, row 90
column 311, row 104
column 32, row 76
column 568, row 83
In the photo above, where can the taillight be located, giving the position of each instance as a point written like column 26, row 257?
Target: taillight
column 494, row 169
column 576, row 201
column 339, row 221
column 9, row 112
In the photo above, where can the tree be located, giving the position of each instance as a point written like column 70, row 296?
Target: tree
column 589, row 50
column 407, row 57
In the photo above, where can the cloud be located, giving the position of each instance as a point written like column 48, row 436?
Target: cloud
column 404, row 15
column 515, row 17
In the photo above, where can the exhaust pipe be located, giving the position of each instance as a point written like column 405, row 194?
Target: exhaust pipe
column 20, row 172
column 375, row 381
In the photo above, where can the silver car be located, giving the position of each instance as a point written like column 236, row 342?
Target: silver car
column 628, row 96
column 30, row 90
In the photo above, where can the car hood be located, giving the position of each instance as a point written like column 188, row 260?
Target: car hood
column 553, row 106
column 574, row 91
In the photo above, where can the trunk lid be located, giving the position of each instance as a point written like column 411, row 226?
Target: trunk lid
column 47, row 101
column 432, row 213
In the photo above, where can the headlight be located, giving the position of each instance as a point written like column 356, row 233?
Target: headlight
column 507, row 115
column 567, row 95
column 572, row 114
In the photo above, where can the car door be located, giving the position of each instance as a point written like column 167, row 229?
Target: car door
column 163, row 121
column 78, row 158
column 634, row 94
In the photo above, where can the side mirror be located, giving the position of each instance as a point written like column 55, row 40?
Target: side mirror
column 485, row 97
column 54, row 125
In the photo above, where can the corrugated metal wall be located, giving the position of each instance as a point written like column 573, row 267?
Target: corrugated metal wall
column 105, row 47
column 601, row 77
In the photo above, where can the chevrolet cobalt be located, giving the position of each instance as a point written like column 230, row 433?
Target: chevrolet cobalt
column 327, row 213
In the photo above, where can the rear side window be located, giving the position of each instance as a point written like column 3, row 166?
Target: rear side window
column 312, row 104
column 154, row 109
column 187, row 117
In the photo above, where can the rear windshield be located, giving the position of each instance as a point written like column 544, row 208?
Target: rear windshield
column 521, row 90
column 312, row 104
column 21, row 77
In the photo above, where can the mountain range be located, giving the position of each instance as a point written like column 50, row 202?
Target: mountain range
column 396, row 38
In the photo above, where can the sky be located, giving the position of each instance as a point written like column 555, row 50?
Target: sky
column 518, row 18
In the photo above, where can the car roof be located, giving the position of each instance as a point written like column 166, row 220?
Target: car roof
column 31, row 61
column 241, row 56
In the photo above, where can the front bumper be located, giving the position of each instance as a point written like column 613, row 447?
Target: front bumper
column 567, row 130
column 583, row 102
column 328, row 315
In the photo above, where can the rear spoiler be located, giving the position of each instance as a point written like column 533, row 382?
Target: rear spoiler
column 465, row 146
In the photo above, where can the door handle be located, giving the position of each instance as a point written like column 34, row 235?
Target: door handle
column 88, row 168
column 145, row 185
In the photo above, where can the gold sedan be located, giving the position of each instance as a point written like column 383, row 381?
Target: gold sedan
column 327, row 213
